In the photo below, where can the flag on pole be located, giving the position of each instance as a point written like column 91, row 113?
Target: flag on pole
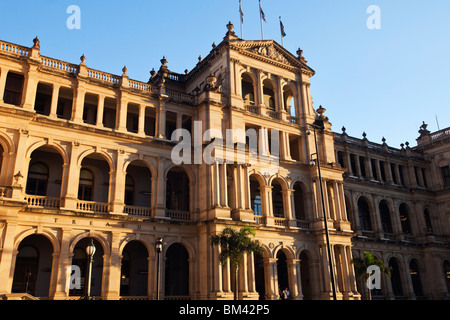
column 283, row 34
column 263, row 16
column 241, row 12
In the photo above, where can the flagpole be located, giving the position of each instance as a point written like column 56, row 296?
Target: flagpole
column 241, row 18
column 260, row 18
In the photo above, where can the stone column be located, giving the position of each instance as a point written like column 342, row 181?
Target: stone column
column 121, row 113
column 54, row 103
column 64, row 269
column 117, row 185
column 70, row 181
column 112, row 285
column 141, row 120
column 100, row 109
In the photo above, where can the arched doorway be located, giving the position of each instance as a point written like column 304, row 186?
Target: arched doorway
column 305, row 276
column 277, row 199
column 177, row 272
column 33, row 268
column 79, row 259
column 415, row 278
column 283, row 278
column 260, row 280
column 396, row 280
column 134, row 270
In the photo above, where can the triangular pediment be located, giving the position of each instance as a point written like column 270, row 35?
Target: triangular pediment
column 270, row 51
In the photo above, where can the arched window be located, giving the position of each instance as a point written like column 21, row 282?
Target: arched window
column 37, row 179
column 86, row 185
column 277, row 200
column 404, row 219
column 289, row 101
column 255, row 196
column 248, row 94
column 269, row 94
column 385, row 216
column 364, row 215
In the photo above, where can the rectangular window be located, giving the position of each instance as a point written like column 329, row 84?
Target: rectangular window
column 382, row 172
column 362, row 166
column 13, row 89
column 374, row 169
column 446, row 176
column 394, row 176
column 402, row 177
column 353, row 164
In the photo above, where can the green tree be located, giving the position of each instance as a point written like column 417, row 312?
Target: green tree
column 233, row 244
column 361, row 265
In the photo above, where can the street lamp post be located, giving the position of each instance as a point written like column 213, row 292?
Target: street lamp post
column 90, row 251
column 318, row 124
column 158, row 247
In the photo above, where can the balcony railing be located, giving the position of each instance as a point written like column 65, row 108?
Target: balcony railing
column 178, row 215
column 92, row 206
column 136, row 211
column 42, row 201
column 252, row 109
column 302, row 224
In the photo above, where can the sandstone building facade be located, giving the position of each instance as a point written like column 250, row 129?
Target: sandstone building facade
column 88, row 155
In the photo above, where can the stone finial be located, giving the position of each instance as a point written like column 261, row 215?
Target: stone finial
column 163, row 61
column 200, row 58
column 321, row 110
column 230, row 27
column 124, row 70
column 300, row 55
column 383, row 140
column 83, row 58
column 344, row 129
column 186, row 71
column 36, row 43
column 213, row 45
column 152, row 72
column 364, row 134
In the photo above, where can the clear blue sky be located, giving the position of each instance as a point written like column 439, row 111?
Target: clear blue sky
column 384, row 82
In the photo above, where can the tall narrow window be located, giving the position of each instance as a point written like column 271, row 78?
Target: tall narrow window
column 426, row 215
column 364, row 215
column 37, row 180
column 404, row 219
column 129, row 190
column 446, row 175
column 86, row 185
